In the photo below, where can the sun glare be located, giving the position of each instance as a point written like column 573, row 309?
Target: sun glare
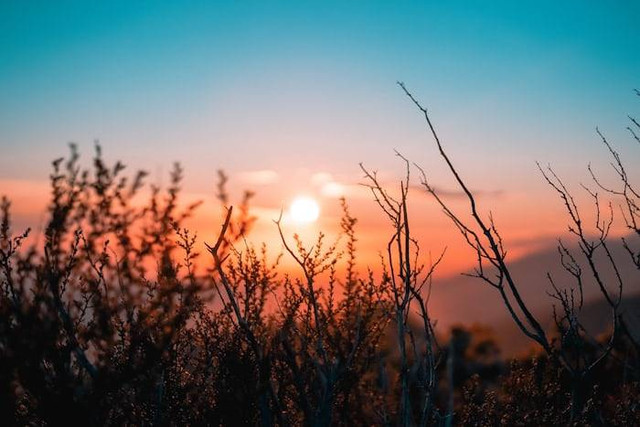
column 304, row 210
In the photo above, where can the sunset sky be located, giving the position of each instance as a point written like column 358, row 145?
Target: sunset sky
column 289, row 97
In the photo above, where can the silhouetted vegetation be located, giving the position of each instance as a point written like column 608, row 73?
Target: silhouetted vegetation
column 118, row 314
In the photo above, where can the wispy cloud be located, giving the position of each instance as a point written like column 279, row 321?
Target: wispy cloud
column 358, row 188
column 333, row 189
column 321, row 178
column 259, row 177
column 459, row 194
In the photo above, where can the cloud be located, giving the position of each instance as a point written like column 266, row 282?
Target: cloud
column 459, row 194
column 329, row 186
column 333, row 189
column 321, row 178
column 260, row 177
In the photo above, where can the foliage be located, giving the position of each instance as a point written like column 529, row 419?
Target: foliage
column 114, row 319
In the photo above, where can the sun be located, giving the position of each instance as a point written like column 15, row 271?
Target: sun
column 304, row 210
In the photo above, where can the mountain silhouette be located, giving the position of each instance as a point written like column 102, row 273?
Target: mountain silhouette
column 461, row 299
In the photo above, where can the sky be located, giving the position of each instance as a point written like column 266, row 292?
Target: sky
column 289, row 97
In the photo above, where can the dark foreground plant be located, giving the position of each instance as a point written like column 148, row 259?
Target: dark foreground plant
column 113, row 316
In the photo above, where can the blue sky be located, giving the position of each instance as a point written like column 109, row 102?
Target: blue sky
column 277, row 85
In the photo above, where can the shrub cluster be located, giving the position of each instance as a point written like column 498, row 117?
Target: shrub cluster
column 113, row 317
column 111, row 321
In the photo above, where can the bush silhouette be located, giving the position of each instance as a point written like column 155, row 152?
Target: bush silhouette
column 122, row 316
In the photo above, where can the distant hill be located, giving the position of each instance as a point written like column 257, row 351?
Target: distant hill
column 596, row 318
column 464, row 300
